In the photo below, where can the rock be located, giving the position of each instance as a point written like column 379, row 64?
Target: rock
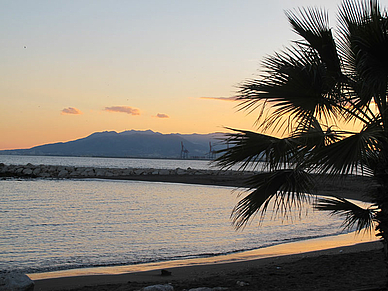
column 100, row 173
column 50, row 171
column 165, row 287
column 127, row 172
column 74, row 174
column 27, row 171
column 209, row 289
column 15, row 281
column 63, row 173
column 109, row 174
column 164, row 172
column 86, row 172
column 180, row 171
column 19, row 170
column 91, row 174
column 165, row 273
column 138, row 172
column 44, row 175
column 242, row 283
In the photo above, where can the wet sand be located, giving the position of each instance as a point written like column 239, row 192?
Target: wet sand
column 343, row 268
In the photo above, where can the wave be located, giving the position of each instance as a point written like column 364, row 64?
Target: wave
column 61, row 266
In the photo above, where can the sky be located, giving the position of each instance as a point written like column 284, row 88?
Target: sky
column 70, row 68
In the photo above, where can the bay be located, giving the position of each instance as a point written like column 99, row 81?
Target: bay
column 49, row 224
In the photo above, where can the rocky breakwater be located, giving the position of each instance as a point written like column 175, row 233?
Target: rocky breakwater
column 217, row 177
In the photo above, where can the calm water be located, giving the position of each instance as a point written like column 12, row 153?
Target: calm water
column 105, row 162
column 64, row 224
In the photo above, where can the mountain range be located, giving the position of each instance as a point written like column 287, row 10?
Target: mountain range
column 132, row 143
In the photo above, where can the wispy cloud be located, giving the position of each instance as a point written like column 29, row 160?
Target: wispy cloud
column 123, row 109
column 71, row 110
column 162, row 115
column 220, row 98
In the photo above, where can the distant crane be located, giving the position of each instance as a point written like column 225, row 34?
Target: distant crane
column 212, row 153
column 184, row 152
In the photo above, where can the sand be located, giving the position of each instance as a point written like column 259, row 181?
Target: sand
column 344, row 268
column 357, row 264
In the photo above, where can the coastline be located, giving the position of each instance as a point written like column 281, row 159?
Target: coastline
column 351, row 187
column 283, row 249
column 219, row 274
column 216, row 268
column 216, row 271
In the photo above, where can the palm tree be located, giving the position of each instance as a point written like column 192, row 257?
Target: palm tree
column 309, row 93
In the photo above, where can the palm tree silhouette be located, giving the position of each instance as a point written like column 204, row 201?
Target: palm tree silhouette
column 309, row 92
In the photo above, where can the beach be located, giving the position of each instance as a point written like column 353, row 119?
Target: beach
column 354, row 267
column 351, row 265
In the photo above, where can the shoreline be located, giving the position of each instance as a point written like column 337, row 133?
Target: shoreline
column 282, row 249
column 183, row 270
column 215, row 274
column 199, row 270
column 351, row 187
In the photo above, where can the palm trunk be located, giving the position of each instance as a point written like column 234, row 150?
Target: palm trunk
column 381, row 200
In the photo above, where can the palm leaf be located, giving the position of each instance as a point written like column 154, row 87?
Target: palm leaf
column 247, row 148
column 364, row 31
column 349, row 154
column 296, row 85
column 313, row 25
column 312, row 135
column 355, row 216
column 286, row 188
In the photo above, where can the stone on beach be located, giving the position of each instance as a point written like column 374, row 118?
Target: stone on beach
column 353, row 187
column 15, row 281
column 164, row 287
column 62, row 172
column 209, row 289
column 164, row 172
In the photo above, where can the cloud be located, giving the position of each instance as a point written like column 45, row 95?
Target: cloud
column 220, row 98
column 71, row 110
column 123, row 109
column 162, row 115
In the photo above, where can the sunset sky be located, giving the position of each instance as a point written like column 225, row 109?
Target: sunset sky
column 71, row 68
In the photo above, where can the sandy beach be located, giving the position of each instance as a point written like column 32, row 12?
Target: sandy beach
column 354, row 267
column 347, row 263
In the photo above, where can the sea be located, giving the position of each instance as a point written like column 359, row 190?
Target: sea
column 61, row 224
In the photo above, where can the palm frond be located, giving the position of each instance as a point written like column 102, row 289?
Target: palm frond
column 313, row 25
column 312, row 135
column 348, row 155
column 295, row 85
column 308, row 91
column 247, row 148
column 286, row 188
column 355, row 216
column 364, row 34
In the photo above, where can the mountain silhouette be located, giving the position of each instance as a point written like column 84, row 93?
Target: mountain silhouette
column 132, row 143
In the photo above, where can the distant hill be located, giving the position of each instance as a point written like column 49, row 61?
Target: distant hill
column 141, row 144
